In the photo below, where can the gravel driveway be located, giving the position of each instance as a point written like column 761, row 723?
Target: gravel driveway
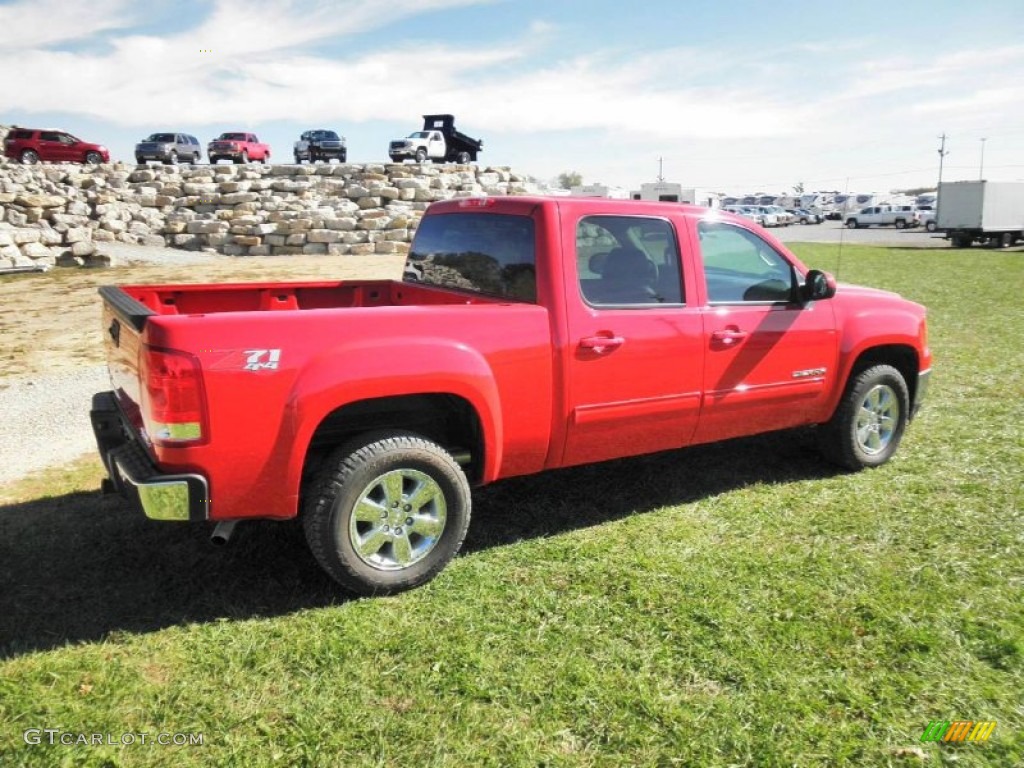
column 44, row 419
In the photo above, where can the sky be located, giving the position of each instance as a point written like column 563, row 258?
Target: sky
column 736, row 97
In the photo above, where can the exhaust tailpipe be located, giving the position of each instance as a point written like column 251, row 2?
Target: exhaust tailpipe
column 222, row 532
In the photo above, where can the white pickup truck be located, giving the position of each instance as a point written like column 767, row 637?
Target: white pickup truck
column 899, row 216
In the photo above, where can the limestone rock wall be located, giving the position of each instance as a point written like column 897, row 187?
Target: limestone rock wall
column 62, row 214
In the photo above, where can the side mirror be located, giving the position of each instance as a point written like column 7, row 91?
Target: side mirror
column 817, row 286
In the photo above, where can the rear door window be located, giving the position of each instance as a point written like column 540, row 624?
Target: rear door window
column 487, row 253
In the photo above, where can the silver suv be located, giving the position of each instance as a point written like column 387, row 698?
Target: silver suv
column 169, row 148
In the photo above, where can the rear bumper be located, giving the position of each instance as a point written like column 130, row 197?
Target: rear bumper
column 134, row 475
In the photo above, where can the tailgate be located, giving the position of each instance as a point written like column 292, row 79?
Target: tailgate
column 124, row 320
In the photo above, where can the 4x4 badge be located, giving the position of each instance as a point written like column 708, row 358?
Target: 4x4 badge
column 254, row 357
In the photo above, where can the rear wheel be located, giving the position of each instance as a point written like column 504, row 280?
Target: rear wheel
column 462, row 157
column 387, row 513
column 866, row 429
column 1005, row 240
column 29, row 157
column 931, row 226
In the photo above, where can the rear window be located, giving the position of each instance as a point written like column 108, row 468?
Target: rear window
column 21, row 134
column 482, row 252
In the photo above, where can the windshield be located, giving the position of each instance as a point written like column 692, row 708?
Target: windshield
column 419, row 135
column 483, row 252
column 166, row 138
column 328, row 135
column 233, row 136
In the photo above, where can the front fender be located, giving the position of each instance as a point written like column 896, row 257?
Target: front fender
column 388, row 367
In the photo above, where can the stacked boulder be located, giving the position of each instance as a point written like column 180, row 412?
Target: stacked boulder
column 62, row 214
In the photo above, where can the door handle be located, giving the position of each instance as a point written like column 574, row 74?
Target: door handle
column 601, row 344
column 729, row 336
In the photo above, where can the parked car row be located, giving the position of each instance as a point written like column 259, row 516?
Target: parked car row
column 439, row 142
column 774, row 215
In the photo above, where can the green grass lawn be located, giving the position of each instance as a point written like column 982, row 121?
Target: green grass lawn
column 736, row 604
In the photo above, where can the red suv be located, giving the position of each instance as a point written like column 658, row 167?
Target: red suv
column 30, row 146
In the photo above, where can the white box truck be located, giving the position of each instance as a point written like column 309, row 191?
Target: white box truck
column 667, row 192
column 979, row 211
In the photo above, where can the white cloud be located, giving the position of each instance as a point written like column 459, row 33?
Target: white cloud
column 32, row 23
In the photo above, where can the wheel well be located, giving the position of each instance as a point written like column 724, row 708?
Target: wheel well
column 899, row 356
column 448, row 420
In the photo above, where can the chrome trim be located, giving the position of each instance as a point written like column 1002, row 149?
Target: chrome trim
column 161, row 497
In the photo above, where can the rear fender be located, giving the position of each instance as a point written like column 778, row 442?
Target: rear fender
column 377, row 368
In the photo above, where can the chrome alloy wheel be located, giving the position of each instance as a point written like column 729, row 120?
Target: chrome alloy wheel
column 398, row 519
column 877, row 418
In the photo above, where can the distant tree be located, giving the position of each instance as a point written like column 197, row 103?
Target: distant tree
column 798, row 188
column 570, row 179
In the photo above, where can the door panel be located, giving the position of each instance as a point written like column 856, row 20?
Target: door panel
column 636, row 359
column 770, row 361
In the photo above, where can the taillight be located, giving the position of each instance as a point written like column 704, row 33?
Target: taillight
column 173, row 401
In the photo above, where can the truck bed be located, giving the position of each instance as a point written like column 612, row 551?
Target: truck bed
column 135, row 303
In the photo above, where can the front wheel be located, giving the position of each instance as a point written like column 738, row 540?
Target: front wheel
column 172, row 159
column 931, row 226
column 265, row 159
column 901, row 224
column 388, row 512
column 93, row 158
column 867, row 427
column 851, row 224
column 421, row 155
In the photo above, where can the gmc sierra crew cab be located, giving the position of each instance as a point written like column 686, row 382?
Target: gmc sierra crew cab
column 529, row 333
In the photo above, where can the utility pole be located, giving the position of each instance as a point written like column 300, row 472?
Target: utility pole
column 942, row 154
column 981, row 165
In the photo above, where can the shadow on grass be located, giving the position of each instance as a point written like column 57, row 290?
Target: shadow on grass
column 82, row 566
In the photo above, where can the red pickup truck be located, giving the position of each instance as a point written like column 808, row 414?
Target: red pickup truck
column 527, row 334
column 239, row 147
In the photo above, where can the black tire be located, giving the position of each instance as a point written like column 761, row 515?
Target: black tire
column 421, row 155
column 214, row 159
column 93, row 158
column 462, row 157
column 962, row 241
column 901, row 223
column 851, row 224
column 1005, row 240
column 29, row 157
column 355, row 473
column 139, row 160
column 343, row 157
column 172, row 159
column 931, row 226
column 265, row 159
column 867, row 427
